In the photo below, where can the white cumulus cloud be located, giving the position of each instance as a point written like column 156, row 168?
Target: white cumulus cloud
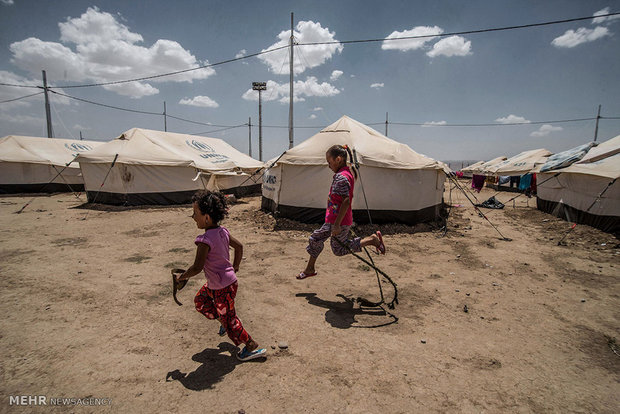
column 572, row 38
column 201, row 101
column 411, row 44
column 316, row 109
column 451, row 46
column 512, row 119
column 377, row 85
column 96, row 47
column 335, row 75
column 7, row 2
column 280, row 91
column 313, row 116
column 545, row 130
column 305, row 57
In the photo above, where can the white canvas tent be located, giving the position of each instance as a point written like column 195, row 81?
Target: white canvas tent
column 487, row 165
column 523, row 163
column 400, row 184
column 469, row 170
column 34, row 164
column 586, row 192
column 144, row 166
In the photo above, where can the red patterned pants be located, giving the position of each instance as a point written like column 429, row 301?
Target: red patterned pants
column 220, row 304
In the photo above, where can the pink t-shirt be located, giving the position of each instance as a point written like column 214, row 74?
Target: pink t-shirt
column 218, row 269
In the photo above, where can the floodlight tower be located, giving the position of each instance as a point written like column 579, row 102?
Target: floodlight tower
column 260, row 86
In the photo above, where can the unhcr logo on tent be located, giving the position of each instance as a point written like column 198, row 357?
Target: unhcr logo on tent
column 207, row 151
column 78, row 147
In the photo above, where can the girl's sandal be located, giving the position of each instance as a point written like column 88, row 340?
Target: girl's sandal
column 246, row 355
column 303, row 275
column 381, row 248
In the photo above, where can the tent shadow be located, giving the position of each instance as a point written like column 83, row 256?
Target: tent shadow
column 216, row 364
column 342, row 315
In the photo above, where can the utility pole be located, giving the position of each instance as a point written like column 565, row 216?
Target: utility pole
column 290, row 107
column 165, row 120
column 386, row 123
column 598, row 116
column 48, row 115
column 260, row 86
column 81, row 136
column 250, row 136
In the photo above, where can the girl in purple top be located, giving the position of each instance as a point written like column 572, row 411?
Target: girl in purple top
column 339, row 216
column 216, row 299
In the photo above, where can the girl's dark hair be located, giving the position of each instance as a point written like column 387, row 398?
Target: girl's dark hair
column 342, row 151
column 211, row 203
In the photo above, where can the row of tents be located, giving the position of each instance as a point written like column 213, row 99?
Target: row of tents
column 153, row 167
column 396, row 183
column 579, row 185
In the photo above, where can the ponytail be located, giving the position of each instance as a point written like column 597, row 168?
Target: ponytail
column 345, row 152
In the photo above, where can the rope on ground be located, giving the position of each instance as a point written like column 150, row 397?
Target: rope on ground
column 477, row 209
column 392, row 304
column 45, row 185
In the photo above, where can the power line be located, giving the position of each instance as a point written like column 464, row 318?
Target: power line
column 226, row 127
column 106, row 106
column 488, row 124
column 178, row 71
column 23, row 97
column 20, row 86
column 148, row 113
column 496, row 29
column 203, row 123
column 220, row 130
column 328, row 43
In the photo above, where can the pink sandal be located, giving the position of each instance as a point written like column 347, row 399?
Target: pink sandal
column 381, row 248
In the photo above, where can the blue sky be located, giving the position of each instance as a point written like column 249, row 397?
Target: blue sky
column 548, row 73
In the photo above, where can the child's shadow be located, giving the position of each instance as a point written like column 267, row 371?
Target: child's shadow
column 216, row 363
column 341, row 315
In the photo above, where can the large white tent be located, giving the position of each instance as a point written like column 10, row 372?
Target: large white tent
column 588, row 191
column 144, row 166
column 34, row 164
column 485, row 166
column 400, row 185
column 523, row 163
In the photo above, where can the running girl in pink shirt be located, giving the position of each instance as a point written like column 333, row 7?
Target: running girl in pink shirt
column 216, row 299
column 339, row 216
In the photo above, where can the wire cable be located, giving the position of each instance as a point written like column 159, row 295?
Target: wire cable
column 23, row 97
column 328, row 43
column 496, row 29
column 107, row 106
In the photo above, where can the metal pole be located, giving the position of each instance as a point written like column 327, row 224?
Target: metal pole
column 598, row 116
column 250, row 136
column 290, row 107
column 48, row 114
column 165, row 118
column 386, row 123
column 260, row 126
column 81, row 136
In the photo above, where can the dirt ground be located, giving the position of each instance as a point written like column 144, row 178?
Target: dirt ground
column 87, row 312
